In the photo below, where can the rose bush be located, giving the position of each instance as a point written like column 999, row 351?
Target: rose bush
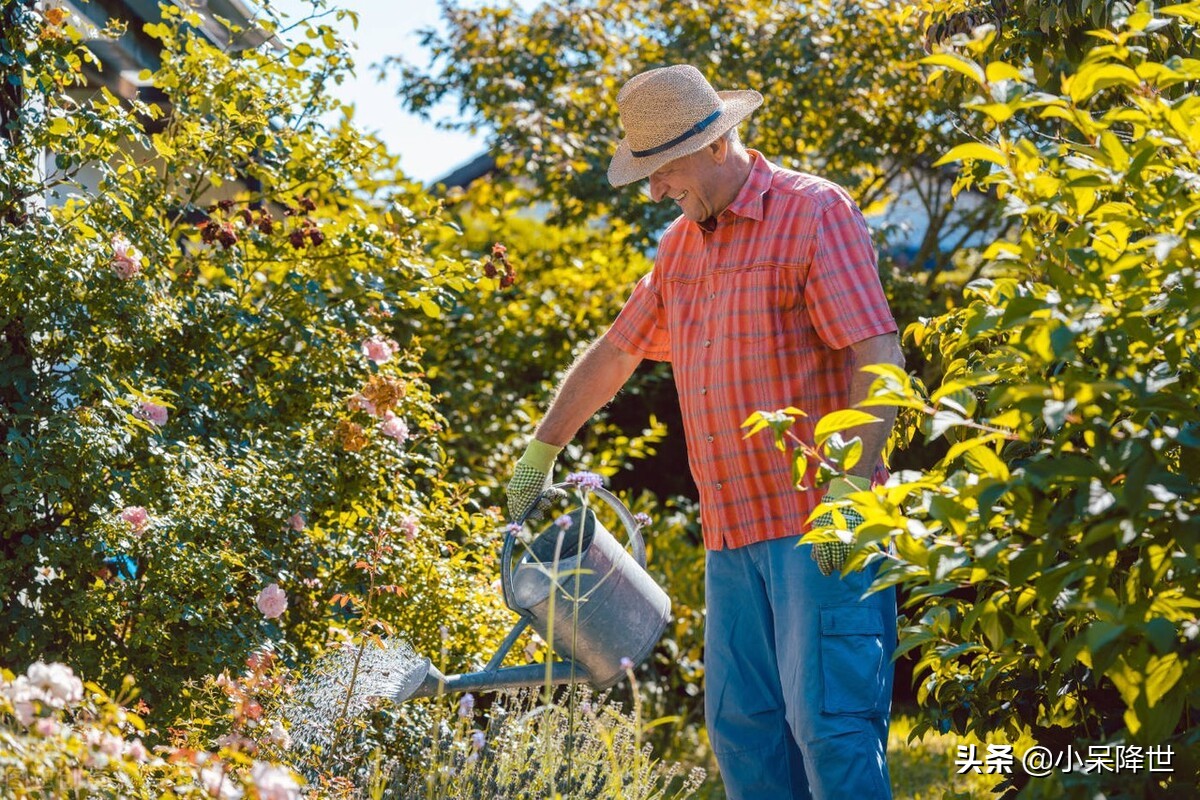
column 203, row 394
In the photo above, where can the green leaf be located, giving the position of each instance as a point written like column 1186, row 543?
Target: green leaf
column 1188, row 11
column 1099, row 498
column 973, row 151
column 1001, row 71
column 958, row 448
column 1162, row 673
column 960, row 64
column 431, row 309
column 840, row 421
column 799, row 468
column 1093, row 78
column 940, row 422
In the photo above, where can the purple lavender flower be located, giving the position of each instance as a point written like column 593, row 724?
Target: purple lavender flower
column 586, row 480
column 563, row 522
column 642, row 519
column 626, row 663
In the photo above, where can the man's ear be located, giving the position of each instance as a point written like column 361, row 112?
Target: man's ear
column 720, row 150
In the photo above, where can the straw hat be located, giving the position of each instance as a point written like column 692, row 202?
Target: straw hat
column 671, row 112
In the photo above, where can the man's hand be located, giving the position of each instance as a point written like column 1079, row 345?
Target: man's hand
column 831, row 556
column 530, row 478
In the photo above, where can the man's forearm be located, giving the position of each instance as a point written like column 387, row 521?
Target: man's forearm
column 877, row 350
column 593, row 380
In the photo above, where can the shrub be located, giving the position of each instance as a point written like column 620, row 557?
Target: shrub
column 1051, row 554
column 201, row 394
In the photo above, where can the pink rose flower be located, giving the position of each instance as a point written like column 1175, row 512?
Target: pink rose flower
column 409, row 526
column 137, row 751
column 378, row 349
column 297, row 522
column 137, row 518
column 272, row 601
column 126, row 260
column 46, row 726
column 358, row 401
column 395, row 427
column 152, row 413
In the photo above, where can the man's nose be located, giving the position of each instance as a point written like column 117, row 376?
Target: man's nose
column 658, row 188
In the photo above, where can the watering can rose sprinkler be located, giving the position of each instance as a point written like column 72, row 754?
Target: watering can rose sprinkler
column 579, row 588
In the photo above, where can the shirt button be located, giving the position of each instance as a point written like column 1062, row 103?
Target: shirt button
column 708, row 342
column 703, row 390
column 719, row 487
column 712, row 296
column 710, row 438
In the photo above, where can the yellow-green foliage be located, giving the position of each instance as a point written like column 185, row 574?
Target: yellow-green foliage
column 1050, row 554
column 497, row 356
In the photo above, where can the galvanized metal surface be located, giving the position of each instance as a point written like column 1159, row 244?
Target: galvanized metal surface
column 582, row 592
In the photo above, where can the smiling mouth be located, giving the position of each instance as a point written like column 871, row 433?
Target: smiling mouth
column 682, row 195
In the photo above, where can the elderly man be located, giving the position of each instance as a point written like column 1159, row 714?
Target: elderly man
column 764, row 294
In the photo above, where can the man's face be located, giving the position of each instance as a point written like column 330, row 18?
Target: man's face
column 691, row 181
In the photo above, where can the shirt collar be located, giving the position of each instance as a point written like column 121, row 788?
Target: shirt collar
column 749, row 200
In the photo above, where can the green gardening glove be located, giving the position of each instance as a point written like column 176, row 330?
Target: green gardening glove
column 531, row 477
column 830, row 556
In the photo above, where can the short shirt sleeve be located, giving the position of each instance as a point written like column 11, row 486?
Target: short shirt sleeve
column 843, row 292
column 641, row 327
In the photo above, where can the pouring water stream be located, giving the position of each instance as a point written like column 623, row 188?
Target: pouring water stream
column 614, row 616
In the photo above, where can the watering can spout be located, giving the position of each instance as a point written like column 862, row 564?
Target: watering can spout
column 435, row 683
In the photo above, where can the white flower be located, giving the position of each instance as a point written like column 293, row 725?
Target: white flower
column 112, row 745
column 45, row 574
column 137, row 751
column 217, row 783
column 56, row 682
column 274, row 783
column 46, row 726
column 280, row 736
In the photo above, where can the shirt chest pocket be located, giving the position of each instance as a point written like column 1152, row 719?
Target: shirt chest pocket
column 758, row 306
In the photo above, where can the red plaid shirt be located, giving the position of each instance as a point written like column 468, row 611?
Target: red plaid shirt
column 757, row 315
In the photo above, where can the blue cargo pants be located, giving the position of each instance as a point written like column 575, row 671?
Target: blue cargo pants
column 798, row 675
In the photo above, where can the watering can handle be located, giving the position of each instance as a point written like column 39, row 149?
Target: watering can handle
column 627, row 519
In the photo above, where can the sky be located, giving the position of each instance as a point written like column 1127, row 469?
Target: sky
column 389, row 27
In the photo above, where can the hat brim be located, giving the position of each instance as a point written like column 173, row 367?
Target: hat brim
column 626, row 168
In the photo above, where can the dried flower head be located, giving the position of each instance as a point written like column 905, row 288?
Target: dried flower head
column 383, row 393
column 349, row 435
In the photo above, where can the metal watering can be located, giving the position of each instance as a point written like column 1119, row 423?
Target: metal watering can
column 581, row 591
